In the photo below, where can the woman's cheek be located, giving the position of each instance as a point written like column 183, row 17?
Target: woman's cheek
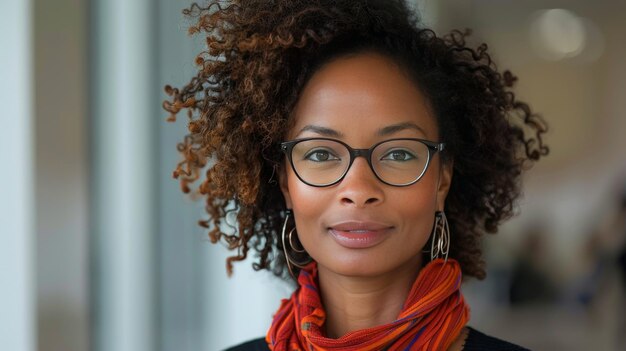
column 307, row 200
column 309, row 204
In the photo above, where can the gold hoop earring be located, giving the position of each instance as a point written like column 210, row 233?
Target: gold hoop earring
column 293, row 247
column 441, row 235
column 290, row 261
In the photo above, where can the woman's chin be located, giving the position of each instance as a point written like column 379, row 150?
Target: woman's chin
column 354, row 266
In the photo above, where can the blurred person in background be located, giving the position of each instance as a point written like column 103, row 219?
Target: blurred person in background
column 621, row 262
column 620, row 231
column 288, row 95
column 600, row 288
column 531, row 283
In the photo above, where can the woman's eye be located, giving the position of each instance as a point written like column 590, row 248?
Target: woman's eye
column 319, row 156
column 398, row 155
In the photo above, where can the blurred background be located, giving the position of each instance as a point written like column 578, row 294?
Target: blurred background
column 99, row 249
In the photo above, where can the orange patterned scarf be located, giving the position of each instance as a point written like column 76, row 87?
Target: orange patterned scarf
column 432, row 317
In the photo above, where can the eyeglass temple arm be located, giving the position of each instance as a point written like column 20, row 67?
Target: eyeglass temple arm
column 437, row 146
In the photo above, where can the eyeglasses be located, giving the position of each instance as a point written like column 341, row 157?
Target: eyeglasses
column 324, row 162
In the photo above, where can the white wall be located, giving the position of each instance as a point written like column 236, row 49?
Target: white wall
column 122, row 174
column 17, row 320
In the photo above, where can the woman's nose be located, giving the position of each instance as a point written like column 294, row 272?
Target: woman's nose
column 360, row 186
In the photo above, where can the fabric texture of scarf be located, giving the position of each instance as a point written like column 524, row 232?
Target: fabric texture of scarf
column 432, row 317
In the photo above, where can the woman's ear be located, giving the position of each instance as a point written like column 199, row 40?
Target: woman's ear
column 284, row 186
column 445, row 180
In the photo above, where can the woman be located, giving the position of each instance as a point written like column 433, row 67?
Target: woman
column 364, row 157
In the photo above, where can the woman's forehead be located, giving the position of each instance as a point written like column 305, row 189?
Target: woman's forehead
column 363, row 94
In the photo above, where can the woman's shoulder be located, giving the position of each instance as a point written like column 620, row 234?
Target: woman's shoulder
column 477, row 340
column 252, row 345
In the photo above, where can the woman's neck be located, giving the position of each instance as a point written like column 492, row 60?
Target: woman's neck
column 355, row 303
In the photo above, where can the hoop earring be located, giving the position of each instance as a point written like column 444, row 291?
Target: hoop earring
column 441, row 234
column 293, row 247
column 290, row 261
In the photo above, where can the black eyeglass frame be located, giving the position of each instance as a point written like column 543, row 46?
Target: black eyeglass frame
column 433, row 148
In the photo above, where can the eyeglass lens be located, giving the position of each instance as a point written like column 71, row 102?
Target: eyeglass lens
column 322, row 162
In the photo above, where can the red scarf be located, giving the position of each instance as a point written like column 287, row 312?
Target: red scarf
column 431, row 319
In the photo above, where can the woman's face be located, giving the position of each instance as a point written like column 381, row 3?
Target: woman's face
column 381, row 228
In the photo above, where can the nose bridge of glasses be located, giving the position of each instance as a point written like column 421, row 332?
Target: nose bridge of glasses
column 361, row 152
column 365, row 153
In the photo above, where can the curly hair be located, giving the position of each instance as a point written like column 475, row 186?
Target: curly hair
column 259, row 56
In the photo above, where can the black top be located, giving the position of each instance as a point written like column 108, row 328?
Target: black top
column 476, row 341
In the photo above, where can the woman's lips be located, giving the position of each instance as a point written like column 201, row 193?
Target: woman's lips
column 359, row 235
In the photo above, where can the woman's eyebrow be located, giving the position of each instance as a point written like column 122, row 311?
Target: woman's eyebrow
column 321, row 130
column 398, row 127
column 385, row 131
